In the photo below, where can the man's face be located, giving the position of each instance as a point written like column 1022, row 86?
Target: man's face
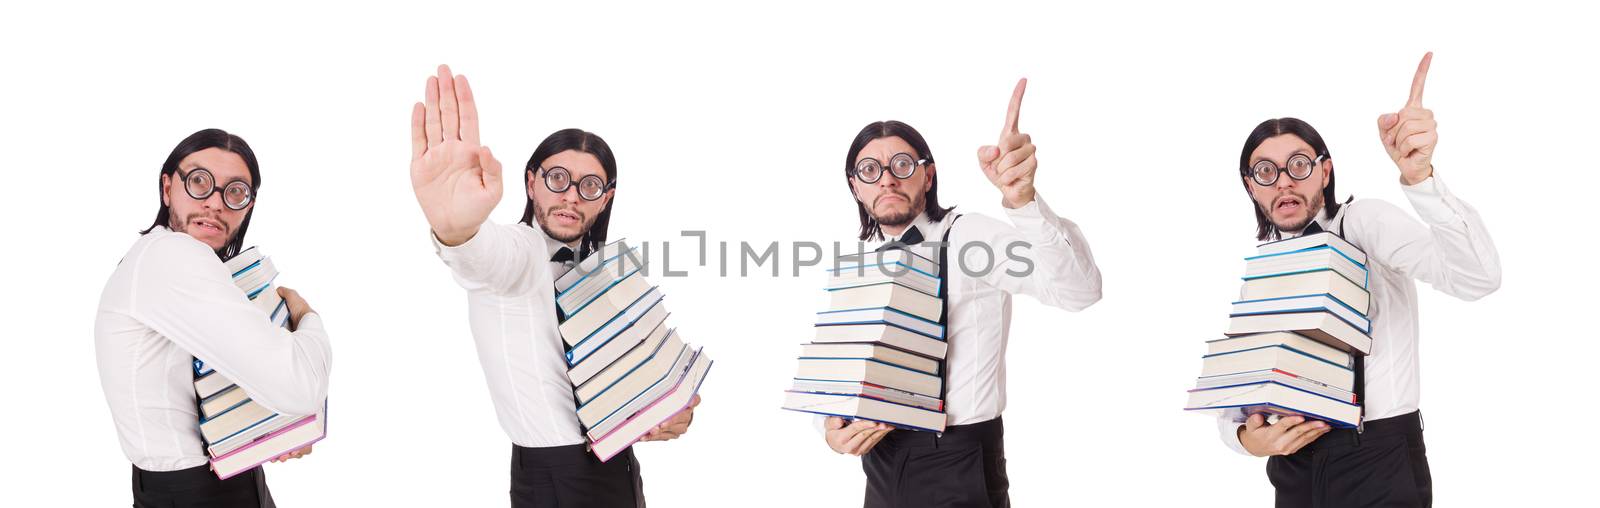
column 1290, row 204
column 207, row 220
column 892, row 201
column 566, row 216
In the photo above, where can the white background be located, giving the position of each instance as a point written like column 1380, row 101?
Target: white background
column 734, row 119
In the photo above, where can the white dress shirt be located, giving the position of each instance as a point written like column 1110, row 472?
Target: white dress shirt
column 171, row 299
column 1063, row 275
column 1450, row 250
column 511, row 307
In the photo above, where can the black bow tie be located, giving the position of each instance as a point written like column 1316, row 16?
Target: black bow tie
column 563, row 255
column 1311, row 229
column 912, row 236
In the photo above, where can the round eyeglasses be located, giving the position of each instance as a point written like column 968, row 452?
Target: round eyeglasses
column 200, row 184
column 1265, row 173
column 590, row 188
column 902, row 166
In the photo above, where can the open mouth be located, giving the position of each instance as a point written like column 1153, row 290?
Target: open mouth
column 1287, row 204
column 566, row 216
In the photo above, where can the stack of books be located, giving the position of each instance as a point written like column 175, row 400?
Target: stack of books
column 878, row 350
column 239, row 433
column 630, row 372
column 1292, row 335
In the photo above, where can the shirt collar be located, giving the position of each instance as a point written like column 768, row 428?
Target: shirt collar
column 1321, row 219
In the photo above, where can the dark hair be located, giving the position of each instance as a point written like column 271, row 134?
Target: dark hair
column 582, row 141
column 210, row 138
column 870, row 229
column 1273, row 128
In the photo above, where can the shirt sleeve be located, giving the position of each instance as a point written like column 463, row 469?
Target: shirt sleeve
column 184, row 293
column 499, row 259
column 1039, row 254
column 1449, row 249
column 1228, row 430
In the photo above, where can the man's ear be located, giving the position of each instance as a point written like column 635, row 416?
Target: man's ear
column 1327, row 171
column 932, row 175
column 166, row 186
column 529, row 188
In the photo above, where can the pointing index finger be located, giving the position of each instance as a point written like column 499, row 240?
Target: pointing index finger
column 1418, row 80
column 1015, row 109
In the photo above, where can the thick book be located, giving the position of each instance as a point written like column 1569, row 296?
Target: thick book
column 1315, row 282
column 1306, row 303
column 1281, row 358
column 1291, row 339
column 878, row 352
column 605, row 254
column 887, row 294
column 1278, row 376
column 651, row 322
column 591, row 284
column 933, row 347
column 222, row 401
column 1316, row 258
column 1237, row 403
column 657, row 412
column 300, row 434
column 645, row 383
column 604, row 309
column 880, row 315
column 1312, row 241
column 869, row 371
column 897, row 266
column 1322, row 326
column 853, row 407
column 870, row 391
column 628, row 363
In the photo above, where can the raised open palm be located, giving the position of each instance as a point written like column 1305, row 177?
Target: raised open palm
column 457, row 181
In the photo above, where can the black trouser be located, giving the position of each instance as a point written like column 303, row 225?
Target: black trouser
column 198, row 487
column 571, row 476
column 964, row 467
column 1386, row 465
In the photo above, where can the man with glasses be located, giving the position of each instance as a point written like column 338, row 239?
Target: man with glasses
column 171, row 300
column 509, row 273
column 1287, row 170
column 890, row 171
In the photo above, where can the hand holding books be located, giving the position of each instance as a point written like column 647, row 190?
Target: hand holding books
column 457, row 181
column 1010, row 164
column 675, row 427
column 1285, row 437
column 1409, row 134
column 857, row 438
column 297, row 306
column 294, row 454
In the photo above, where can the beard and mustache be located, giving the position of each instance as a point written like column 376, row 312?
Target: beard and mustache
column 543, row 214
column 182, row 226
column 897, row 218
column 1312, row 205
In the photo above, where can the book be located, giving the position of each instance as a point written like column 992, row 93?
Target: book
column 1278, row 376
column 1237, row 403
column 646, row 382
column 627, row 364
column 652, row 322
column 591, row 283
column 1322, row 326
column 222, row 401
column 578, row 327
column 1315, row 258
column 1312, row 241
column 884, row 334
column 1290, row 339
column 1280, row 358
column 1306, row 303
column 301, row 433
column 895, row 266
column 849, row 264
column 606, row 253
column 870, row 391
column 880, row 315
column 657, row 412
column 1308, row 283
column 869, row 371
column 853, row 407
column 887, row 294
column 874, row 351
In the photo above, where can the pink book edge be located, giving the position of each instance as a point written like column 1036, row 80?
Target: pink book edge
column 303, row 422
column 652, row 405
